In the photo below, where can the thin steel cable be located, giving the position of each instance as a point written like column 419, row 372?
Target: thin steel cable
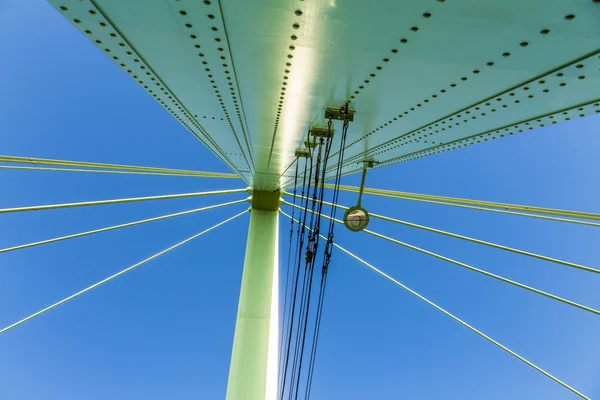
column 522, row 214
column 109, row 228
column 117, row 167
column 328, row 250
column 316, row 230
column 105, row 171
column 480, row 271
column 460, row 321
column 287, row 276
column 294, row 294
column 473, row 240
column 481, row 203
column 118, row 201
column 95, row 285
column 306, row 285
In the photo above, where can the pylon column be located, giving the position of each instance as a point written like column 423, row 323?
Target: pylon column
column 253, row 368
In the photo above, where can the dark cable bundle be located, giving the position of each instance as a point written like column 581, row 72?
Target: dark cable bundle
column 327, row 252
column 300, row 300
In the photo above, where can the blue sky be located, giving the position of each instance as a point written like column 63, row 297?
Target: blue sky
column 165, row 330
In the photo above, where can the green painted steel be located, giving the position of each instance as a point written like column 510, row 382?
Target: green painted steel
column 249, row 78
column 253, row 369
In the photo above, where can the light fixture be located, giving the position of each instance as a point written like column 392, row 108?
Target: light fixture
column 357, row 218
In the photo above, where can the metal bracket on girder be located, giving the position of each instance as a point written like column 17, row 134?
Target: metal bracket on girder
column 369, row 163
column 322, row 132
column 310, row 145
column 264, row 200
column 302, row 153
column 337, row 114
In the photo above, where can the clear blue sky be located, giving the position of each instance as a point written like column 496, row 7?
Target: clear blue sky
column 164, row 331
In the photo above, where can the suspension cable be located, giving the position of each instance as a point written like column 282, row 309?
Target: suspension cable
column 460, row 321
column 328, row 248
column 311, row 251
column 95, row 285
column 302, row 227
column 116, row 167
column 287, row 274
column 297, row 350
column 482, row 205
column 470, row 239
column 118, row 201
column 110, row 228
column 480, row 271
column 198, row 174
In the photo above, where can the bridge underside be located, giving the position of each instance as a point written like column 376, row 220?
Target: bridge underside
column 250, row 78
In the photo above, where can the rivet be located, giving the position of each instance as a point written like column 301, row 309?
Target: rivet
column 427, row 15
column 64, row 8
column 403, row 40
column 414, row 29
column 506, row 54
column 92, row 12
column 545, row 31
column 298, row 12
column 182, row 12
column 570, row 17
column 296, row 26
column 523, row 44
